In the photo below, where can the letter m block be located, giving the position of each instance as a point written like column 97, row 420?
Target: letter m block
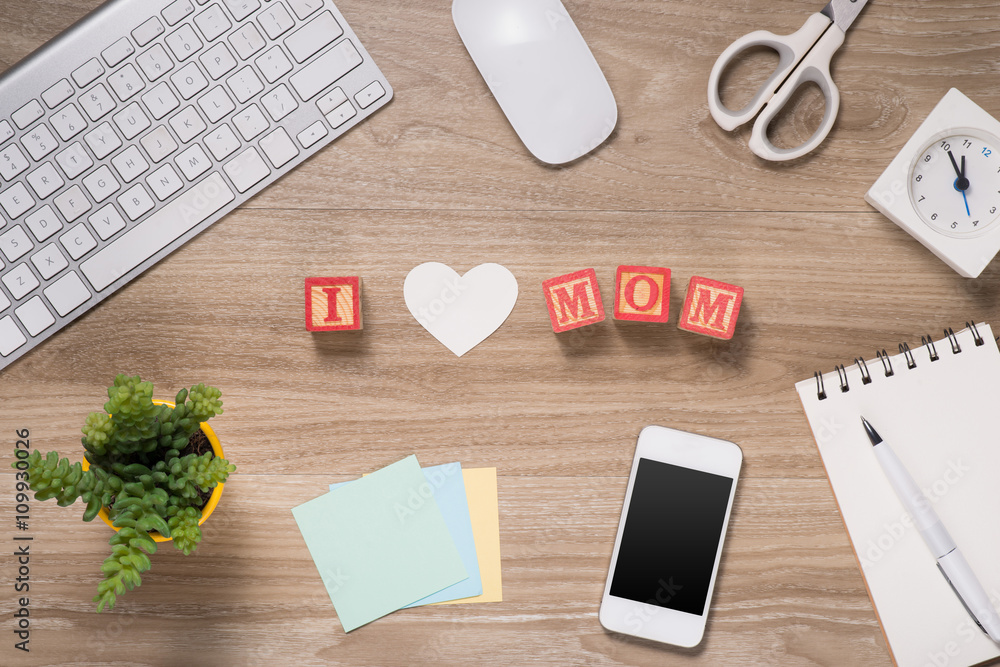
column 333, row 304
column 573, row 300
column 642, row 293
column 711, row 308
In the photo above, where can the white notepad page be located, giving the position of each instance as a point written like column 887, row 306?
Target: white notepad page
column 942, row 418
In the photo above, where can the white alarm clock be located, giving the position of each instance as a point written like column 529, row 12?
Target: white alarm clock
column 944, row 186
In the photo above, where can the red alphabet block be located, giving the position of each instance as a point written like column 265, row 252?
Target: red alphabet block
column 333, row 304
column 573, row 300
column 711, row 308
column 642, row 293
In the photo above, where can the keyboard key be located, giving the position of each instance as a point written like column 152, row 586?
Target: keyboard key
column 274, row 64
column 247, row 41
column 148, row 31
column 27, row 114
column 43, row 223
column 331, row 100
column 247, row 169
column 69, row 122
column 35, row 316
column 11, row 337
column 310, row 39
column 276, row 21
column 130, row 164
column 218, row 61
column 189, row 80
column 279, row 148
column 126, row 82
column 213, row 22
column 78, row 241
column 98, row 102
column 148, row 237
column 72, row 204
column 279, row 102
column 107, row 221
column 45, row 180
column 12, row 162
column 159, row 144
column 6, row 131
column 155, row 62
column 15, row 243
column 49, row 261
column 39, row 142
column 101, row 184
column 176, row 11
column 16, row 201
column 132, row 121
column 67, row 294
column 222, row 142
column 325, row 70
column 88, row 72
column 187, row 124
column 242, row 8
column 160, row 101
column 118, row 52
column 341, row 115
column 370, row 94
column 164, row 182
column 250, row 122
column 303, row 8
column 184, row 43
column 216, row 104
column 245, row 84
column 193, row 162
column 20, row 280
column 103, row 140
column 136, row 201
column 57, row 94
column 74, row 160
column 312, row 134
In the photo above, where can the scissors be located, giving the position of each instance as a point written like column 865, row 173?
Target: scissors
column 804, row 56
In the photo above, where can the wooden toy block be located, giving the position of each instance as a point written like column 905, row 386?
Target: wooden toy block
column 573, row 300
column 333, row 304
column 642, row 293
column 711, row 308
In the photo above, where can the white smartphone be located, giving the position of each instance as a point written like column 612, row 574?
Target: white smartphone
column 669, row 542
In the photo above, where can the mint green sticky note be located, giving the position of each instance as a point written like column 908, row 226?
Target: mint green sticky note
column 380, row 543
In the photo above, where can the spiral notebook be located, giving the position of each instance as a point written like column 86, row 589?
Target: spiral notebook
column 939, row 406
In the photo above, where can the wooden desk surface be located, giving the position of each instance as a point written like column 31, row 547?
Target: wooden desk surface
column 440, row 175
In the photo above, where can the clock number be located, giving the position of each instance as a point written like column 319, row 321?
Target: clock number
column 966, row 143
column 993, row 210
column 975, row 223
column 922, row 197
column 954, row 225
column 919, row 178
column 934, row 217
column 987, row 152
column 945, row 145
column 927, row 158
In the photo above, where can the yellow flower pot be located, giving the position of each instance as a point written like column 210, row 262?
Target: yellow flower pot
column 213, row 500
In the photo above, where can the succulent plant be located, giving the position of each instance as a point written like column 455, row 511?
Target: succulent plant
column 139, row 472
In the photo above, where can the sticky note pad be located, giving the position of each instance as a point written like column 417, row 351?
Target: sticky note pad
column 376, row 549
column 481, row 491
column 447, row 485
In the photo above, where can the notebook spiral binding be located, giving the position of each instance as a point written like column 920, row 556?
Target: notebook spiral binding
column 904, row 349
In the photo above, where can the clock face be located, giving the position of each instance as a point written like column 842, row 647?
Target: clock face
column 954, row 183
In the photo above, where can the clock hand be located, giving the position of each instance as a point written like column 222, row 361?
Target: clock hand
column 961, row 183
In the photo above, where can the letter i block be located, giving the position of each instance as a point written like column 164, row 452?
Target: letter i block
column 642, row 293
column 333, row 304
column 711, row 308
column 573, row 300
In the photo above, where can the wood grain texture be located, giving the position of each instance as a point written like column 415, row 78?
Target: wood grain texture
column 440, row 176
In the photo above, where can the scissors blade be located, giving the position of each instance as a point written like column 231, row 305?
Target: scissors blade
column 843, row 12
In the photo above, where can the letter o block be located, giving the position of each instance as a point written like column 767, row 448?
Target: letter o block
column 642, row 293
column 333, row 304
column 711, row 308
column 573, row 300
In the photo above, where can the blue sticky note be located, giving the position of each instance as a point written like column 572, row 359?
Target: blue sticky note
column 448, row 487
column 376, row 549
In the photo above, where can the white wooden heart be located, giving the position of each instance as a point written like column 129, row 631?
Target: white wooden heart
column 460, row 311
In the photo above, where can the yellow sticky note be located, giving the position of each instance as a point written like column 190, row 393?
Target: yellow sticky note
column 484, row 510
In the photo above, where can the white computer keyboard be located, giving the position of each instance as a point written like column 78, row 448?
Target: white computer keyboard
column 146, row 122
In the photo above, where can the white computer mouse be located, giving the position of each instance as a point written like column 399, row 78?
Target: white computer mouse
column 541, row 72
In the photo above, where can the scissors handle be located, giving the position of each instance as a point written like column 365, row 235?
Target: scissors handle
column 815, row 68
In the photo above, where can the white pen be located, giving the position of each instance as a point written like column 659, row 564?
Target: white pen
column 949, row 559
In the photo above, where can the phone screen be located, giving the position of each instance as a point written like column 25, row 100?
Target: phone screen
column 671, row 536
